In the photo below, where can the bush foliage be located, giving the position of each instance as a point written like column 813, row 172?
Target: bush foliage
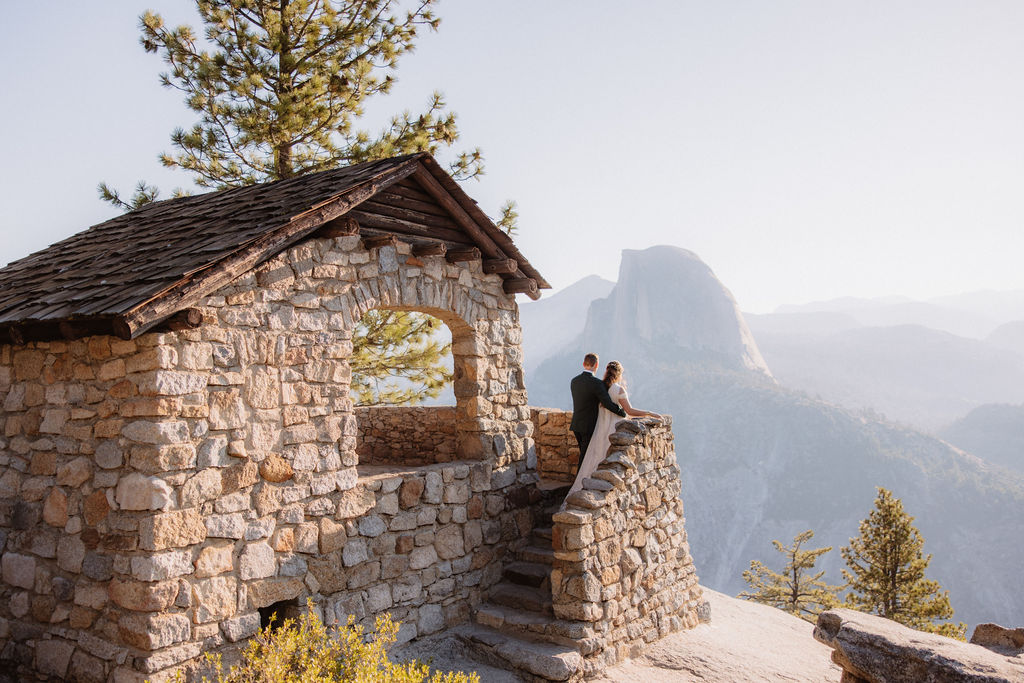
column 304, row 650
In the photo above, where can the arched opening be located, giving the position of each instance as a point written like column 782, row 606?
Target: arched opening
column 401, row 358
column 409, row 404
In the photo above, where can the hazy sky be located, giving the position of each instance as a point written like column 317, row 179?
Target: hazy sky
column 805, row 150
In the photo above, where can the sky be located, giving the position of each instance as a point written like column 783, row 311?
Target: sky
column 804, row 149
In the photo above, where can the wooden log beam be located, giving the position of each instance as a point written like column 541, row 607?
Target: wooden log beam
column 525, row 285
column 394, row 210
column 378, row 241
column 503, row 266
column 339, row 227
column 396, row 198
column 436, row 249
column 16, row 334
column 465, row 221
column 403, row 227
column 121, row 328
column 461, row 255
column 69, row 330
column 188, row 319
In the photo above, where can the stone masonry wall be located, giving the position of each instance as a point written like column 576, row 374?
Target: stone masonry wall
column 154, row 494
column 557, row 450
column 406, row 435
column 622, row 562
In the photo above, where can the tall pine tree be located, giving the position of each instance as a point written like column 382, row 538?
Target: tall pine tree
column 794, row 589
column 886, row 567
column 279, row 87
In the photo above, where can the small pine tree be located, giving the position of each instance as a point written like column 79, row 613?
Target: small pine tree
column 886, row 572
column 397, row 358
column 793, row 589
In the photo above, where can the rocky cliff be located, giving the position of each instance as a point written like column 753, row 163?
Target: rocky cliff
column 668, row 302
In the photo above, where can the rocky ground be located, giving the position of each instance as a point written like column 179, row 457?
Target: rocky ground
column 744, row 642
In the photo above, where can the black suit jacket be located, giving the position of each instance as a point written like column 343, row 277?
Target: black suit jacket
column 587, row 393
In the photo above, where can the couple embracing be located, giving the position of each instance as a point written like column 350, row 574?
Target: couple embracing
column 597, row 406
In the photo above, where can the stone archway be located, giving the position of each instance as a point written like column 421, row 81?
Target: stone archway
column 487, row 372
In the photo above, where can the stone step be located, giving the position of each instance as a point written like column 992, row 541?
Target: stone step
column 538, row 554
column 528, row 574
column 546, row 514
column 543, row 534
column 522, row 597
column 536, row 661
column 530, row 625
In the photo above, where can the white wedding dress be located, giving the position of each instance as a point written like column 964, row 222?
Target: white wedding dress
column 598, row 448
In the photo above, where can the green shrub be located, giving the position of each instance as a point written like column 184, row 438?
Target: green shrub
column 307, row 651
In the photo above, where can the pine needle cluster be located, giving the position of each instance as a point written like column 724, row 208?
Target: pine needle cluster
column 398, row 358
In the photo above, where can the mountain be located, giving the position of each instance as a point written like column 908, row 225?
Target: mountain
column 992, row 432
column 1009, row 336
column 560, row 316
column 913, row 374
column 763, row 462
column 667, row 301
column 952, row 314
column 1001, row 306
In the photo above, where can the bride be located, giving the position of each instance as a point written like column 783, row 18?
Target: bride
column 606, row 421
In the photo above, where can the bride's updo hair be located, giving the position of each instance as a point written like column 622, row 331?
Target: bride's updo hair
column 613, row 373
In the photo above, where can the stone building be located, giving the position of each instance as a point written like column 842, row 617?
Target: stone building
column 180, row 457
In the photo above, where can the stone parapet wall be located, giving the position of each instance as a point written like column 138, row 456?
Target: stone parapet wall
column 622, row 561
column 557, row 450
column 155, row 493
column 406, row 435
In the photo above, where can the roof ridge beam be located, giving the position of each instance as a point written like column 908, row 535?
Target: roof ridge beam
column 465, row 221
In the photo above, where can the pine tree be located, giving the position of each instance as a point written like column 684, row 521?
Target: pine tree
column 280, row 88
column 398, row 344
column 280, row 85
column 886, row 571
column 793, row 589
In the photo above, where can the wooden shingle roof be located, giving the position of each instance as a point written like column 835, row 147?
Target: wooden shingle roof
column 131, row 273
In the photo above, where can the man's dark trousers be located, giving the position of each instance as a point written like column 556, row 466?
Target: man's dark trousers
column 588, row 394
column 583, row 440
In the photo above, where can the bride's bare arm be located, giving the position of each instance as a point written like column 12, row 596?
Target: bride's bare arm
column 634, row 412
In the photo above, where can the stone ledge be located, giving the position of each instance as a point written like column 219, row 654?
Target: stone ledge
column 878, row 650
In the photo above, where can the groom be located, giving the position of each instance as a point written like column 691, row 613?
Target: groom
column 587, row 392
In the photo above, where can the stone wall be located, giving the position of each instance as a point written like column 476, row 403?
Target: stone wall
column 622, row 562
column 557, row 450
column 405, row 435
column 154, row 494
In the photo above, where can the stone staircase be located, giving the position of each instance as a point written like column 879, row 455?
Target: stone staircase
column 516, row 628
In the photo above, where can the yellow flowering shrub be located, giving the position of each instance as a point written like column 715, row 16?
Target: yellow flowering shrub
column 307, row 651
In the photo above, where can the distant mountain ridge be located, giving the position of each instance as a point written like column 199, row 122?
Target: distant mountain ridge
column 973, row 314
column 916, row 375
column 993, row 432
column 763, row 462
